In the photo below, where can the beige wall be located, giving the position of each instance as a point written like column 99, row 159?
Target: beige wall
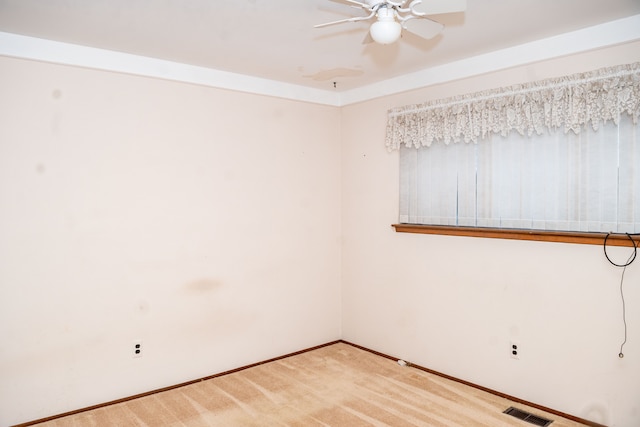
column 454, row 304
column 204, row 222
column 224, row 228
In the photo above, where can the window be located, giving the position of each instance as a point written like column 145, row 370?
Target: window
column 559, row 155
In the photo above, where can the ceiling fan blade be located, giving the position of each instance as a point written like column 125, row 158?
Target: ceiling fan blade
column 435, row 7
column 326, row 24
column 425, row 28
column 341, row 21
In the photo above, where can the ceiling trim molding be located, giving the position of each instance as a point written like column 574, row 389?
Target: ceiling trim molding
column 609, row 34
column 612, row 33
column 24, row 47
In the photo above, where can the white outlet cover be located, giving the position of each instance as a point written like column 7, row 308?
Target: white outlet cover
column 515, row 346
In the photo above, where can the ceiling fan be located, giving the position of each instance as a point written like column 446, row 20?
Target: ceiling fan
column 392, row 17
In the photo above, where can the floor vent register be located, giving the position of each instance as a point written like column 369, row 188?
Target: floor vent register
column 528, row 417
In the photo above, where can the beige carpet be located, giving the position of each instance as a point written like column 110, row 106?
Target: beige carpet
column 336, row 385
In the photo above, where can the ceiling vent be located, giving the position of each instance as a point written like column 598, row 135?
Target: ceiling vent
column 528, row 417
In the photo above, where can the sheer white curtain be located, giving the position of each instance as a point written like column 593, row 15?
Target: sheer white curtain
column 559, row 154
column 555, row 181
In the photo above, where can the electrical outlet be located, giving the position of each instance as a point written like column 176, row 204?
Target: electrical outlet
column 515, row 350
column 137, row 348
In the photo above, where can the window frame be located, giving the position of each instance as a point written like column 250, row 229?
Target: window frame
column 613, row 90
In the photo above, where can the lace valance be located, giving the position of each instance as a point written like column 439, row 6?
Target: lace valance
column 571, row 102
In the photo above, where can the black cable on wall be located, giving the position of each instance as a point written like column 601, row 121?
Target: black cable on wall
column 624, row 266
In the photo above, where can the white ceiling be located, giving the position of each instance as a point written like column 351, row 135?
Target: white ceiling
column 275, row 39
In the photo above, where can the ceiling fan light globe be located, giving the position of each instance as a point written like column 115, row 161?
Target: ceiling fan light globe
column 385, row 32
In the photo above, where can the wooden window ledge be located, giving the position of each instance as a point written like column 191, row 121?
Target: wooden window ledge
column 518, row 234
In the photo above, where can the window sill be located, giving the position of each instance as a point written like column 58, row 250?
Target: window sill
column 515, row 234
